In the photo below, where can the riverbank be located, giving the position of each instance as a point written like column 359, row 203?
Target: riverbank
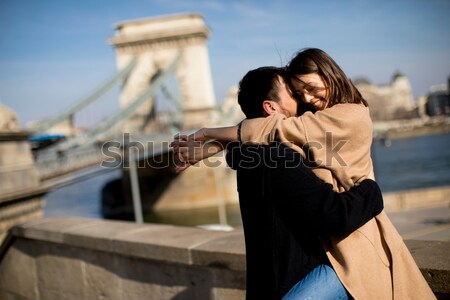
column 431, row 129
column 397, row 129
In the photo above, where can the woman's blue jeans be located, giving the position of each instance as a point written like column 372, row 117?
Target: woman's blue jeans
column 321, row 283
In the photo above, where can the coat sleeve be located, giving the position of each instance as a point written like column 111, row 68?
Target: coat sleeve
column 305, row 201
column 273, row 128
column 336, row 140
column 340, row 120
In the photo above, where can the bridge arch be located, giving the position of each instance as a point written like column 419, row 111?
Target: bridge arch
column 155, row 43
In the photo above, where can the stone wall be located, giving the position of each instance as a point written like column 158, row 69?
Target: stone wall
column 17, row 169
column 21, row 192
column 76, row 258
column 417, row 198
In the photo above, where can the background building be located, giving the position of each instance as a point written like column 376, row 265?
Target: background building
column 438, row 101
column 388, row 102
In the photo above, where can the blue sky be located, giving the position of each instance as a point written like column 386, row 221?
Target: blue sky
column 54, row 52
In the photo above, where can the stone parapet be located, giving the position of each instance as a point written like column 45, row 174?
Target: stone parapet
column 77, row 258
column 17, row 169
column 434, row 262
column 417, row 198
column 21, row 192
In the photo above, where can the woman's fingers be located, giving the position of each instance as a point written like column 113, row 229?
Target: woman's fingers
column 185, row 149
column 182, row 154
column 178, row 138
column 180, row 145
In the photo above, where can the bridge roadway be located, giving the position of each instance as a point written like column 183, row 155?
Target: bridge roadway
column 63, row 168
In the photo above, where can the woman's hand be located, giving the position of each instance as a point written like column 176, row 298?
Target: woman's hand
column 193, row 148
column 187, row 150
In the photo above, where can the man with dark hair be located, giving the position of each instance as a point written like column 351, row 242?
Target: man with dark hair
column 263, row 91
column 287, row 211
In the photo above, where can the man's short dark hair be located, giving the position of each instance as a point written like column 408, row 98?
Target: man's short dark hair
column 256, row 86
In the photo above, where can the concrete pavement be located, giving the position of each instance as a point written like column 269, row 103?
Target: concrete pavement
column 431, row 224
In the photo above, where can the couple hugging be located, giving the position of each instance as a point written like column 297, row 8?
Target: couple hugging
column 312, row 213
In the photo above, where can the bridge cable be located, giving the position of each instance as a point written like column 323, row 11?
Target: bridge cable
column 107, row 124
column 46, row 124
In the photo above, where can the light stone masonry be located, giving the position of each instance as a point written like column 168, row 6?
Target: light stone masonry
column 78, row 258
column 21, row 192
column 155, row 42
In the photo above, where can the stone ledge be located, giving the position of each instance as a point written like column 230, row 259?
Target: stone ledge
column 24, row 193
column 433, row 258
column 416, row 198
column 192, row 246
column 18, row 135
column 169, row 243
column 225, row 252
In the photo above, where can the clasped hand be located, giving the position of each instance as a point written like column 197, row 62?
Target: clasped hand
column 189, row 149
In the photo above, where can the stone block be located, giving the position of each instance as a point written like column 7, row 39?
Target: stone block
column 219, row 293
column 433, row 259
column 98, row 235
column 18, row 178
column 224, row 252
column 20, row 212
column 51, row 229
column 146, row 279
column 17, row 170
column 228, row 284
column 416, row 198
column 15, row 153
column 101, row 280
column 164, row 242
column 18, row 276
column 60, row 271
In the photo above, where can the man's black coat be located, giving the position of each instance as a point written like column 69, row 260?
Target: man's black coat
column 286, row 211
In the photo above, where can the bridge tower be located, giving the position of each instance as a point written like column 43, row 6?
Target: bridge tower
column 155, row 43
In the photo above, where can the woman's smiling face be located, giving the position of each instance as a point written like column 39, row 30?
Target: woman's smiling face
column 312, row 90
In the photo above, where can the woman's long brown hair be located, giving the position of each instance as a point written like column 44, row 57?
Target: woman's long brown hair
column 340, row 89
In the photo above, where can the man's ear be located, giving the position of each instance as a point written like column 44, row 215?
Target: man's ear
column 269, row 107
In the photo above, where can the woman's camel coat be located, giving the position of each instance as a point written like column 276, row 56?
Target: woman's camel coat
column 373, row 261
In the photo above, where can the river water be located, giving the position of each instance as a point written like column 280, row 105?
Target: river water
column 411, row 163
column 408, row 163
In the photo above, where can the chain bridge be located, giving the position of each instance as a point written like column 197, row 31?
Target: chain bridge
column 149, row 52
